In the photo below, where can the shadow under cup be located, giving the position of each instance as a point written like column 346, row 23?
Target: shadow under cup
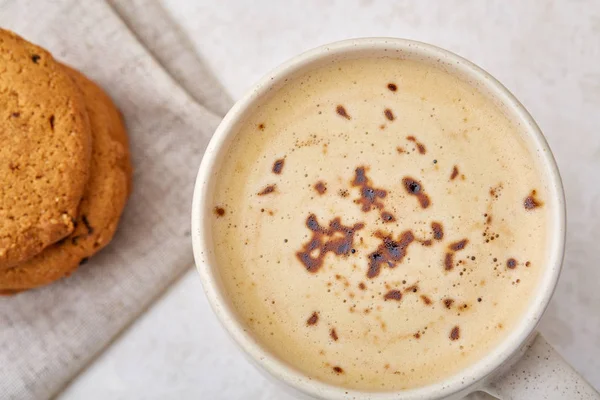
column 501, row 356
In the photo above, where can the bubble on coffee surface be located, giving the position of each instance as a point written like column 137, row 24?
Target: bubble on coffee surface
column 344, row 255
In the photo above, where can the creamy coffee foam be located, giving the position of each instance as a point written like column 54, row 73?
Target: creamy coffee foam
column 379, row 224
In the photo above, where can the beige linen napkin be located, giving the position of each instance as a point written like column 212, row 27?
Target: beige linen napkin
column 163, row 37
column 48, row 335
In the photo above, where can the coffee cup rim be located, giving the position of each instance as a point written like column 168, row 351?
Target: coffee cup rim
column 466, row 380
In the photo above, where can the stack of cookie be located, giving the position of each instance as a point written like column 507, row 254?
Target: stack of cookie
column 65, row 172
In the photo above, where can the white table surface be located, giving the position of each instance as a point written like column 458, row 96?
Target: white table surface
column 546, row 52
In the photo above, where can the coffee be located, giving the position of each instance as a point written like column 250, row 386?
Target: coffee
column 380, row 224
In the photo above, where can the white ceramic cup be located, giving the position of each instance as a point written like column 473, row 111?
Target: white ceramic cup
column 523, row 366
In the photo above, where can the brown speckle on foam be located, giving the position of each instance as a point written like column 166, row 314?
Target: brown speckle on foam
column 219, row 211
column 320, row 187
column 261, row 126
column 511, row 263
column 449, row 261
column 420, row 146
column 338, row 370
column 412, row 288
column 392, row 87
column 454, row 173
column 389, row 114
column 267, row 190
column 426, row 299
column 333, row 334
column 415, row 188
column 390, row 252
column 455, row 333
column 457, row 246
column 370, row 196
column 448, row 303
column 341, row 111
column 278, row 166
column 387, row 217
column 531, row 201
column 438, row 230
column 313, row 319
column 393, row 295
column 337, row 239
column 496, row 190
